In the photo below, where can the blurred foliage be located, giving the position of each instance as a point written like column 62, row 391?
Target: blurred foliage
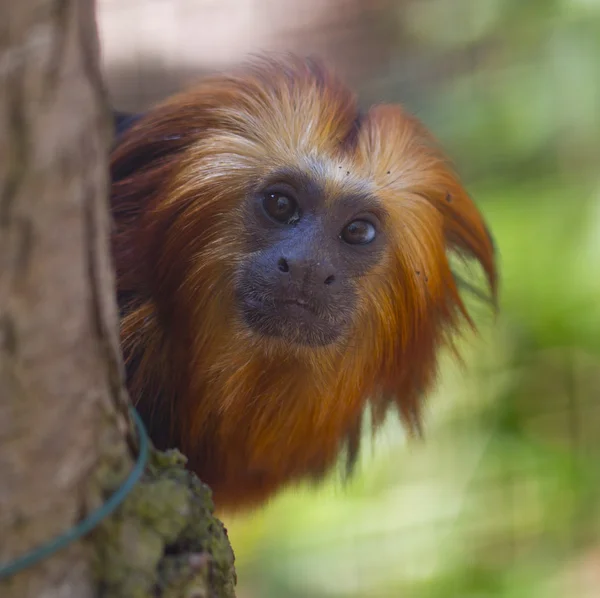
column 510, row 86
column 502, row 498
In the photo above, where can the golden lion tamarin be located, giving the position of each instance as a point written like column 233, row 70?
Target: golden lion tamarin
column 282, row 262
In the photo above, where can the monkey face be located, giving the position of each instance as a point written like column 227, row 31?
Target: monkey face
column 306, row 255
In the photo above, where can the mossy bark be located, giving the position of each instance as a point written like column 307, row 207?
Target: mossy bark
column 66, row 441
column 165, row 540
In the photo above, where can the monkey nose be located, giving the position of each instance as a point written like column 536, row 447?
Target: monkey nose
column 302, row 271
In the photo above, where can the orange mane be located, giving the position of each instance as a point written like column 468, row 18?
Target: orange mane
column 253, row 413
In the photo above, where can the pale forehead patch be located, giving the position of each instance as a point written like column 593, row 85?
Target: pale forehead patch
column 336, row 175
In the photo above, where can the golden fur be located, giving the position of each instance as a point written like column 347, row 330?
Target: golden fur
column 252, row 413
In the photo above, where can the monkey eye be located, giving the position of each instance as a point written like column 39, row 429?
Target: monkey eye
column 281, row 207
column 358, row 232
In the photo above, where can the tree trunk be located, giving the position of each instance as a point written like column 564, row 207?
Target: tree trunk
column 65, row 440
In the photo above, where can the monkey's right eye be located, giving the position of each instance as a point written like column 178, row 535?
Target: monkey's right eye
column 281, row 207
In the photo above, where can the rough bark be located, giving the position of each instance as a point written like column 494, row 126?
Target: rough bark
column 65, row 436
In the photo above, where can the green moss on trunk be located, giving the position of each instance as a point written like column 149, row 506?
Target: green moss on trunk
column 164, row 541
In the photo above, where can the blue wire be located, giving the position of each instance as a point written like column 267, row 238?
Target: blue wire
column 93, row 519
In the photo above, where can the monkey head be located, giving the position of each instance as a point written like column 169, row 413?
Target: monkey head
column 328, row 222
column 288, row 259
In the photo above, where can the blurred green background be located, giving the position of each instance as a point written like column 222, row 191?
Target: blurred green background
column 502, row 497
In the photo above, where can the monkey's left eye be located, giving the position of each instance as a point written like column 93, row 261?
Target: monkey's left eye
column 281, row 207
column 358, row 232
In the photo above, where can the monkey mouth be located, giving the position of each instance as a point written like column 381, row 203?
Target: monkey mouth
column 255, row 303
column 303, row 303
column 294, row 319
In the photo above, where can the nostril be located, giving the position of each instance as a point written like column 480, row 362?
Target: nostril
column 282, row 265
column 330, row 279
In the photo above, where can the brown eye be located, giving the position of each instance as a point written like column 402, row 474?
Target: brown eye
column 281, row 207
column 358, row 232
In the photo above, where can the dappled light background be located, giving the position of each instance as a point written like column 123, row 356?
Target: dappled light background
column 502, row 496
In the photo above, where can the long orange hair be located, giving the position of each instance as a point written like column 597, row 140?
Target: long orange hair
column 254, row 413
